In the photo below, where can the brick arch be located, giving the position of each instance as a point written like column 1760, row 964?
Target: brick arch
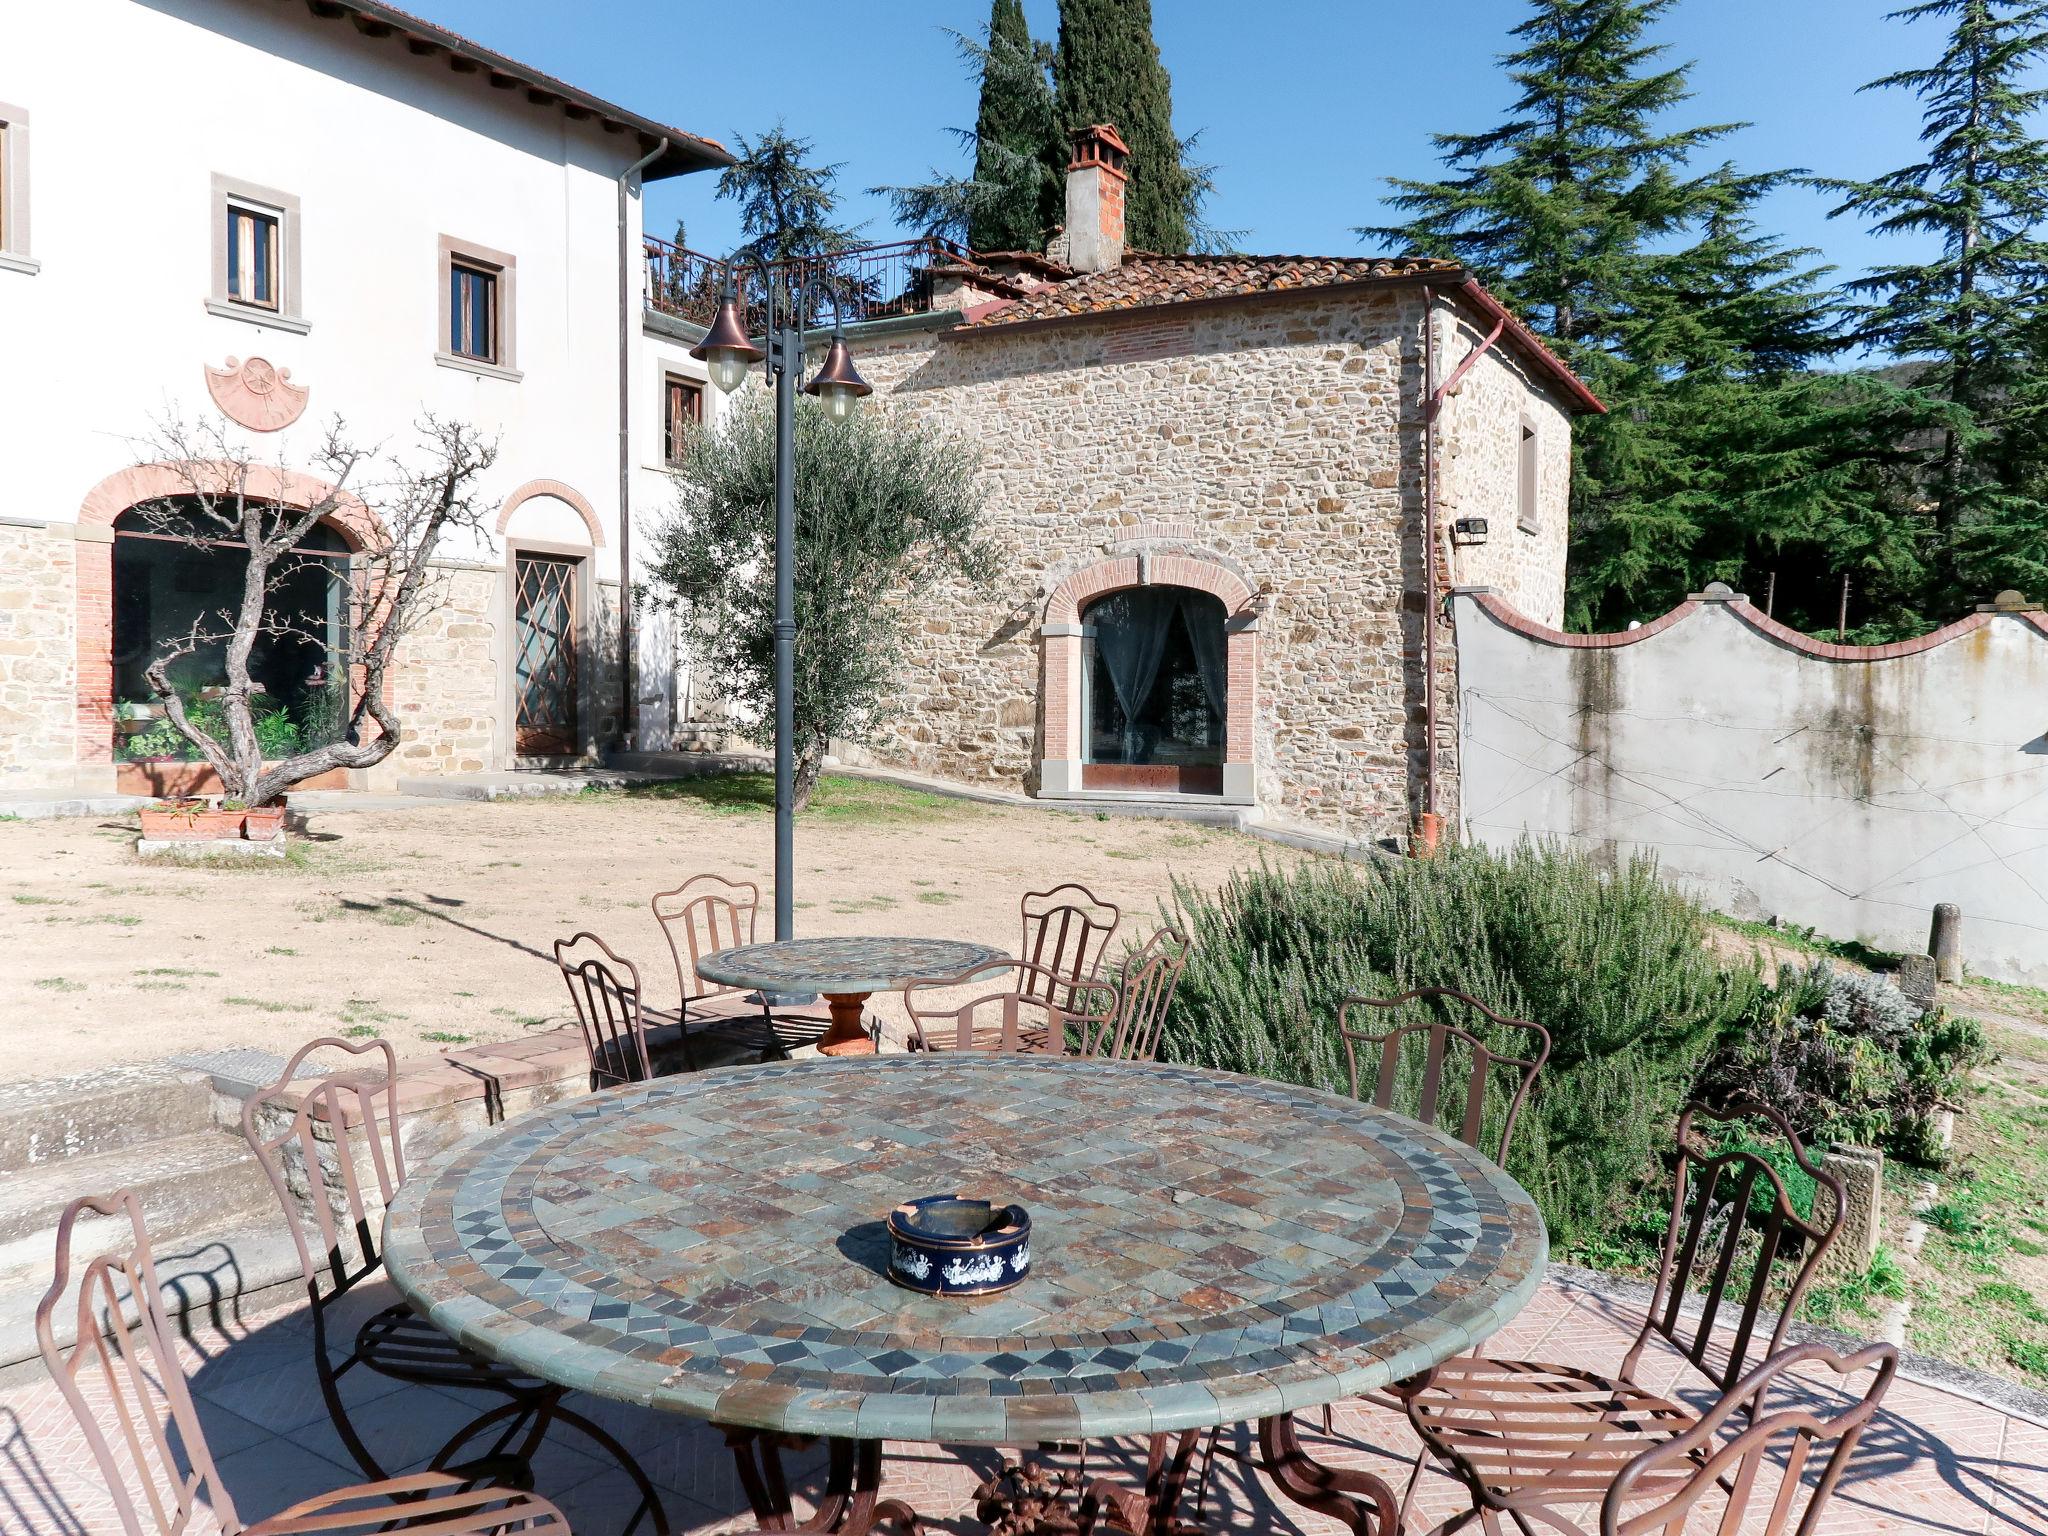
column 93, row 733
column 1162, row 569
column 1060, row 769
column 138, row 483
column 560, row 492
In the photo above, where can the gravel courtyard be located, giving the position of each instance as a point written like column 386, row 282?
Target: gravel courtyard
column 432, row 924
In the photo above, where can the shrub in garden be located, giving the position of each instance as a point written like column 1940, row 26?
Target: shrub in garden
column 1611, row 960
column 1848, row 1057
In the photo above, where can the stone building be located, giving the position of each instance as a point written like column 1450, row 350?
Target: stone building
column 1208, row 477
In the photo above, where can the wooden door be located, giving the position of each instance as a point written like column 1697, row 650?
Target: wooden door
column 544, row 676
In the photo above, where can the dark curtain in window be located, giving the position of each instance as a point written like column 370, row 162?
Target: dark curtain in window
column 1130, row 637
column 1198, row 610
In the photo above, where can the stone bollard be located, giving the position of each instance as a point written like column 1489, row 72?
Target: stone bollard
column 1861, row 1170
column 1945, row 941
column 1916, row 978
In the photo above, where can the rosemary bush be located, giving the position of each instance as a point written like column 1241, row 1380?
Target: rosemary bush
column 1612, row 961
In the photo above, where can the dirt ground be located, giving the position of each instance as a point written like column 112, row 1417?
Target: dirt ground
column 432, row 925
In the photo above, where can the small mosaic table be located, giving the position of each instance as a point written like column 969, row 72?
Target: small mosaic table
column 1208, row 1249
column 848, row 971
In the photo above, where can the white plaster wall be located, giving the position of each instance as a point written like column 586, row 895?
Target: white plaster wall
column 1851, row 795
column 136, row 106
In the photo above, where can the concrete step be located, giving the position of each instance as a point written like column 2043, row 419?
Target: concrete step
column 198, row 1182
column 65, row 1118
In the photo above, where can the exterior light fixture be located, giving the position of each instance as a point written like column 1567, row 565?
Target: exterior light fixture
column 726, row 351
column 837, row 384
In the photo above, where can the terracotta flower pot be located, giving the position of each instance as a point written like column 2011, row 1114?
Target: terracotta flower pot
column 190, row 822
column 263, row 823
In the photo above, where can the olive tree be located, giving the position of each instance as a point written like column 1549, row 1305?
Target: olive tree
column 885, row 506
column 228, row 498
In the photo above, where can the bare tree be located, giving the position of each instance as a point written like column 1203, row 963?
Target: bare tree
column 226, row 495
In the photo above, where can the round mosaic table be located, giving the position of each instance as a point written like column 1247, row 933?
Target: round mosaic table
column 848, row 971
column 1207, row 1249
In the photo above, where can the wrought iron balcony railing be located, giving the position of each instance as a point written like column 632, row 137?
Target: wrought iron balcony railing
column 868, row 282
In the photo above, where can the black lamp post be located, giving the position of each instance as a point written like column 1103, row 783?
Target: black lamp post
column 728, row 354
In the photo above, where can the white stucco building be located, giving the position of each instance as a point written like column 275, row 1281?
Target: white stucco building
column 281, row 213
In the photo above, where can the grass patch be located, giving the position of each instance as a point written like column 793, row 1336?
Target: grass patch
column 1981, row 1284
column 2019, row 992
column 59, row 984
column 266, row 1006
column 177, row 970
column 365, row 1011
column 937, row 898
column 847, row 906
column 23, row 899
column 444, row 1037
column 839, row 798
column 1834, row 1306
column 111, row 919
column 1807, row 941
column 358, row 1032
column 279, row 949
column 523, row 1020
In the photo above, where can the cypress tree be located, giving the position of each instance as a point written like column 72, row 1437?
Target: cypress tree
column 1584, row 211
column 1977, row 311
column 1018, row 147
column 1108, row 70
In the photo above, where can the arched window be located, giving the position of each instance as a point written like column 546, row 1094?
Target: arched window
column 1156, row 683
column 174, row 574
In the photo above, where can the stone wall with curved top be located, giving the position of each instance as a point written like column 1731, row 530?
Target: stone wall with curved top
column 1846, row 787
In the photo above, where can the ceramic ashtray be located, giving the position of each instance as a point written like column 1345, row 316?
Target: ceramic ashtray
column 947, row 1245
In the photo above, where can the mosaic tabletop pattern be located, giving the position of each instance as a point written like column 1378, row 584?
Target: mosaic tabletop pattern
column 1207, row 1248
column 842, row 965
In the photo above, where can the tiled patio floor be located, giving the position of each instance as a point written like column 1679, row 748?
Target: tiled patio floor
column 1934, row 1462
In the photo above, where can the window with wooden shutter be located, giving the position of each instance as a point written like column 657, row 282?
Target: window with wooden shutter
column 472, row 312
column 253, row 240
column 682, row 402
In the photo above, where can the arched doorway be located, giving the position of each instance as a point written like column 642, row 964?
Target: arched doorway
column 1178, row 626
column 176, row 584
column 1155, row 685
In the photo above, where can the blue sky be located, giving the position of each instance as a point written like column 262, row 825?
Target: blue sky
column 1305, row 105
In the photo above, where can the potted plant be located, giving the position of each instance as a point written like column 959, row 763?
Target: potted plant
column 189, row 820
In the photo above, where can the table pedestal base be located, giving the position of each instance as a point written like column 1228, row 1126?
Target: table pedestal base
column 847, row 1036
column 851, row 1505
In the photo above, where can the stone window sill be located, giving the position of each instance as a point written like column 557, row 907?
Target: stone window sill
column 482, row 370
column 25, row 265
column 268, row 318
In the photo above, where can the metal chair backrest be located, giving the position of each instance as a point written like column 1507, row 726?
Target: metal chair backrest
column 1764, row 1471
column 604, row 986
column 130, row 1375
column 1443, row 1046
column 1145, row 986
column 1065, row 932
column 1733, row 1220
column 712, row 913
column 1011, row 1012
column 333, row 1125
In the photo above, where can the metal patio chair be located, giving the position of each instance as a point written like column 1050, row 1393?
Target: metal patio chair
column 124, row 1382
column 1531, row 1440
column 1762, row 1469
column 1446, row 1045
column 1145, row 985
column 1011, row 1012
column 711, row 913
column 604, row 988
column 338, row 1138
column 1065, row 933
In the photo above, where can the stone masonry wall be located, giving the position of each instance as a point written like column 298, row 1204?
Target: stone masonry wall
column 444, row 684
column 38, row 658
column 1479, row 469
column 1281, row 437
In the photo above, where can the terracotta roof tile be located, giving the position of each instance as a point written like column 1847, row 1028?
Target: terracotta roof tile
column 1145, row 279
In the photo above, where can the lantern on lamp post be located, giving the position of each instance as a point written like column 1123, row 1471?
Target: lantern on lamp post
column 729, row 354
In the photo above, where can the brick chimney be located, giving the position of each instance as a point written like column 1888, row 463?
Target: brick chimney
column 1095, row 199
